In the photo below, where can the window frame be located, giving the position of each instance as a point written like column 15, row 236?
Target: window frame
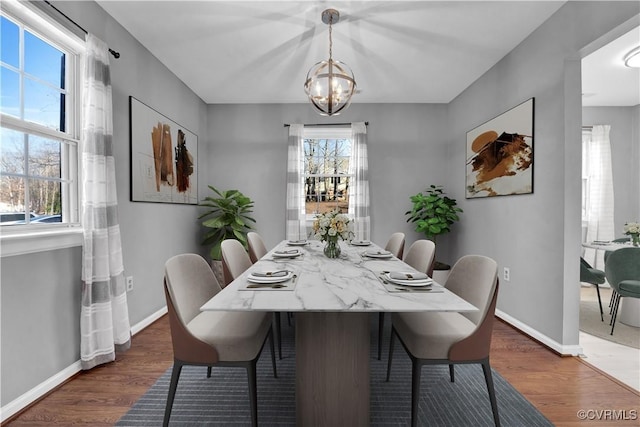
column 325, row 132
column 29, row 238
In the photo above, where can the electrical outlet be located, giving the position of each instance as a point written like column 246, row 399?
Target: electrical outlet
column 129, row 281
column 506, row 274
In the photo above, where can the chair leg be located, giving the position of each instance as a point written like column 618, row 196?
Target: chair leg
column 276, row 316
column 208, row 371
column 253, row 393
column 616, row 306
column 416, row 370
column 380, row 332
column 486, row 368
column 393, row 334
column 175, row 375
column 273, row 353
column 451, row 372
column 599, row 302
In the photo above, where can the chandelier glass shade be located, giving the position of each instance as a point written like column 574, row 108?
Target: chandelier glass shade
column 330, row 84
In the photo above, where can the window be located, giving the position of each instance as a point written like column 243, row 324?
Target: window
column 327, row 153
column 39, row 121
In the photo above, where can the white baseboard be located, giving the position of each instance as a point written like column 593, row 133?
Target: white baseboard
column 565, row 350
column 54, row 381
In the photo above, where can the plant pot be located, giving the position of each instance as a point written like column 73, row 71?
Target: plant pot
column 216, row 266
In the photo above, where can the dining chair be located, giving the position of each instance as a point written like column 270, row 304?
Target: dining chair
column 419, row 256
column 395, row 245
column 210, row 338
column 622, row 271
column 593, row 276
column 452, row 338
column 235, row 259
column 257, row 249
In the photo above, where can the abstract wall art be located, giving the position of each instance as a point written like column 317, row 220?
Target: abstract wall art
column 163, row 158
column 499, row 159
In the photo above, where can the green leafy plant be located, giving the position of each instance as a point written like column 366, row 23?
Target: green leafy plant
column 433, row 213
column 228, row 218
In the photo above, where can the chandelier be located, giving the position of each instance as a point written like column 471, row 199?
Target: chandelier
column 330, row 84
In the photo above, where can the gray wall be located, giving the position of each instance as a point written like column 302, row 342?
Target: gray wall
column 406, row 143
column 625, row 158
column 41, row 292
column 538, row 235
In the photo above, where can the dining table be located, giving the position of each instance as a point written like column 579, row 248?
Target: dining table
column 332, row 300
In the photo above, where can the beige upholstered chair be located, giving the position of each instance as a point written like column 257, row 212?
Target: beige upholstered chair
column 210, row 338
column 420, row 255
column 257, row 250
column 395, row 245
column 235, row 259
column 449, row 337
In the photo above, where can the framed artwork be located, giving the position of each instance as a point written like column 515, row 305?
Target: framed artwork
column 164, row 158
column 499, row 159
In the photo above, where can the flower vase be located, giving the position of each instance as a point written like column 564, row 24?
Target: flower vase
column 332, row 249
column 635, row 239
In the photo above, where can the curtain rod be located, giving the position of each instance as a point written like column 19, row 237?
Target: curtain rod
column 325, row 124
column 111, row 51
column 587, row 127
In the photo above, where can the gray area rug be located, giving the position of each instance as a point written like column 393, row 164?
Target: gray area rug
column 222, row 400
column 591, row 324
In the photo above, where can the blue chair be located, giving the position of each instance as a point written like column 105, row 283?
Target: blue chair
column 622, row 271
column 593, row 276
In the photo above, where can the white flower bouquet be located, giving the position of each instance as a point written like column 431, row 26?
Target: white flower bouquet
column 331, row 226
column 632, row 228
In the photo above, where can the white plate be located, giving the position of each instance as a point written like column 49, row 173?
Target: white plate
column 409, row 282
column 269, row 279
column 360, row 242
column 297, row 242
column 378, row 254
column 287, row 254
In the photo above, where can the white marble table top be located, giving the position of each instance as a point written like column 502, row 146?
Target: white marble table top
column 607, row 246
column 347, row 284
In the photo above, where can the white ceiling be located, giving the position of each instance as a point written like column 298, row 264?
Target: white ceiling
column 606, row 81
column 261, row 51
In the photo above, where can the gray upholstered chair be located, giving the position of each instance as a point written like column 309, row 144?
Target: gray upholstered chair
column 257, row 249
column 452, row 338
column 395, row 244
column 623, row 274
column 593, row 276
column 210, row 338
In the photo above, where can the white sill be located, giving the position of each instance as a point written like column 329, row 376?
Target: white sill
column 21, row 242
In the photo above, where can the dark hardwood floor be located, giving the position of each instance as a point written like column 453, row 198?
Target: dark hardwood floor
column 558, row 386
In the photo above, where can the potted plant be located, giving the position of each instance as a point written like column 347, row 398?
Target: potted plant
column 228, row 218
column 433, row 213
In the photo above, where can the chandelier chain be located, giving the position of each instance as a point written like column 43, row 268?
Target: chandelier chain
column 330, row 39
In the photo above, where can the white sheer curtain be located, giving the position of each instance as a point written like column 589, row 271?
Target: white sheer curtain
column 359, row 187
column 596, row 158
column 296, row 228
column 104, row 322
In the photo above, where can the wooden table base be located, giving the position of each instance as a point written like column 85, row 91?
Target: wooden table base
column 332, row 369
